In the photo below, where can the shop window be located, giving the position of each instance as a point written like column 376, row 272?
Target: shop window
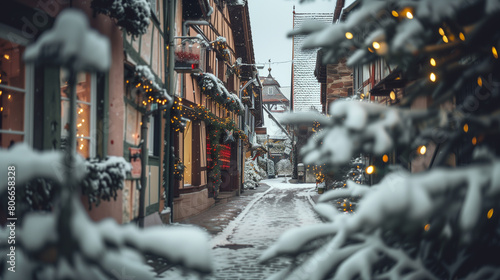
column 15, row 95
column 85, row 110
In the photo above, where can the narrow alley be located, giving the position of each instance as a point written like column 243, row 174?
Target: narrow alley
column 239, row 240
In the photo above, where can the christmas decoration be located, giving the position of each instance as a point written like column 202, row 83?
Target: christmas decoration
column 215, row 89
column 132, row 15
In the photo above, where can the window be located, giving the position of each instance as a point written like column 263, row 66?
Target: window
column 85, row 110
column 153, row 134
column 15, row 95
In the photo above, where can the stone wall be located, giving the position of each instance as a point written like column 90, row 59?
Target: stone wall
column 339, row 81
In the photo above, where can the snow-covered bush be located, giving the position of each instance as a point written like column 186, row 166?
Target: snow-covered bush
column 270, row 168
column 253, row 174
column 441, row 223
column 284, row 166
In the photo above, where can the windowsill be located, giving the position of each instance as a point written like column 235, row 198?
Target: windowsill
column 191, row 189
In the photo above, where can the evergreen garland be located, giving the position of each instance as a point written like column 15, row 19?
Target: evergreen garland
column 215, row 89
column 132, row 15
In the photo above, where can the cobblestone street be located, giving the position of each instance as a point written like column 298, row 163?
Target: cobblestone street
column 245, row 226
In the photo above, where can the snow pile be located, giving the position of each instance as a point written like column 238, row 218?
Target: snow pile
column 71, row 44
column 133, row 15
column 397, row 216
column 270, row 168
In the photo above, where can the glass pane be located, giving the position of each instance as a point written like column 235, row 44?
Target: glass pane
column 11, row 110
column 7, row 139
column 82, row 86
column 11, row 64
column 82, row 119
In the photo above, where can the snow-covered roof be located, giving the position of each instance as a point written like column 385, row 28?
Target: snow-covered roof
column 271, row 92
column 306, row 94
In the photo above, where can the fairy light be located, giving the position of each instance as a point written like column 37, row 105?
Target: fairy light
column 349, row 35
column 370, row 169
column 8, row 97
column 490, row 213
column 385, row 158
column 409, row 15
column 376, row 45
column 427, row 227
column 461, row 36
column 466, row 128
column 433, row 62
column 394, row 13
column 494, row 51
column 392, row 95
column 474, row 141
column 445, row 39
column 422, row 150
column 6, row 56
column 432, row 77
column 441, row 31
column 479, row 81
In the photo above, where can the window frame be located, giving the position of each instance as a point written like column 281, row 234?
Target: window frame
column 29, row 78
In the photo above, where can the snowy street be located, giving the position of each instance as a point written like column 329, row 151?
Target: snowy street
column 237, row 247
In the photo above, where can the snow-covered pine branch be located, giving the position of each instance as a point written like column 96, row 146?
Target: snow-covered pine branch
column 397, row 223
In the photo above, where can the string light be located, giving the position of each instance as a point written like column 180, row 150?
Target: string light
column 474, row 141
column 349, row 35
column 490, row 213
column 445, row 39
column 395, row 14
column 6, row 56
column 370, row 169
column 466, row 128
column 432, row 77
column 494, row 51
column 461, row 36
column 441, row 31
column 392, row 95
column 427, row 227
column 376, row 45
column 385, row 158
column 433, row 62
column 422, row 150
column 409, row 15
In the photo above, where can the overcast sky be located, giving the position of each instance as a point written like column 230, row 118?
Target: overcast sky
column 271, row 20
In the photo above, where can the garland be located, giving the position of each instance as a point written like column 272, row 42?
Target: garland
column 220, row 45
column 144, row 80
column 215, row 89
column 215, row 127
column 132, row 15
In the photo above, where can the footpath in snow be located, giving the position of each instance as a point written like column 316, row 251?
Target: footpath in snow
column 268, row 214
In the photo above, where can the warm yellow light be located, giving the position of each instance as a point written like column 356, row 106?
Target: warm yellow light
column 392, row 95
column 479, row 81
column 474, row 140
column 6, row 56
column 385, row 158
column 441, row 31
column 362, row 95
column 376, row 45
column 1, row 109
column 8, row 97
column 0, row 93
column 349, row 35
column 445, row 39
column 433, row 62
column 462, row 36
column 432, row 77
column 422, row 150
column 490, row 213
column 494, row 51
column 409, row 15
column 370, row 169
column 466, row 128
column 395, row 14
column 83, row 120
column 427, row 227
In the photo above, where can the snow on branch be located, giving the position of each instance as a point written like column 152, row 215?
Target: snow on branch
column 71, row 44
column 214, row 88
column 132, row 15
column 356, row 127
column 398, row 221
column 31, row 164
column 103, row 250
